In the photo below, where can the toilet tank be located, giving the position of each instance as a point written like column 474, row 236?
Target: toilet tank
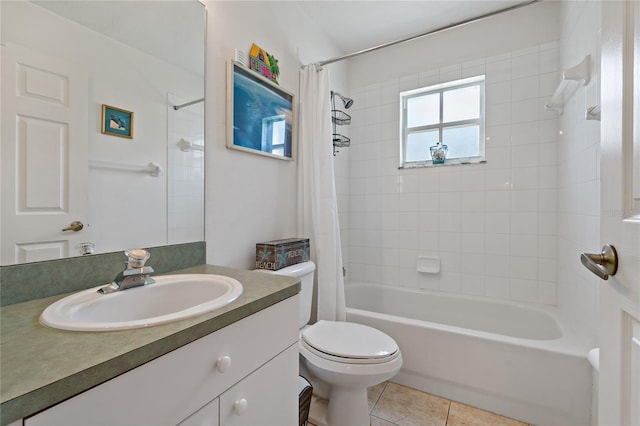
column 304, row 271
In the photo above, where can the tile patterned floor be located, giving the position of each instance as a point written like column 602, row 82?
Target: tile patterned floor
column 391, row 404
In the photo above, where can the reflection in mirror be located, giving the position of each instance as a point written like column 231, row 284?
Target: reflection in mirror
column 260, row 114
column 61, row 62
column 635, row 148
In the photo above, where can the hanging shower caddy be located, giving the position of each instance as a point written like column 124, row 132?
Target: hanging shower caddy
column 340, row 118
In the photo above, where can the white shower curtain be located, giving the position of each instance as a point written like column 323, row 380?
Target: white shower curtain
column 317, row 203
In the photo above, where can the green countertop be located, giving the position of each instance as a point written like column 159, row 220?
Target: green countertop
column 41, row 366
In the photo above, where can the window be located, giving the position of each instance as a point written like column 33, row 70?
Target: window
column 452, row 113
column 273, row 134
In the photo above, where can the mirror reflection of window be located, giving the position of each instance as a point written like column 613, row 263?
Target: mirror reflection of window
column 273, row 134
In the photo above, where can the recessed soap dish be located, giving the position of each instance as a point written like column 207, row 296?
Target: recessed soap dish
column 429, row 264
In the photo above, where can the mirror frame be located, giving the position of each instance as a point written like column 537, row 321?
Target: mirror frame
column 236, row 69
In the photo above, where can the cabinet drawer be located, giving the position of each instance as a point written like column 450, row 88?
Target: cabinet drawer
column 168, row 389
column 268, row 397
column 208, row 415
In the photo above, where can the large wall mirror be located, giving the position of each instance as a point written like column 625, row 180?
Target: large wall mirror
column 68, row 187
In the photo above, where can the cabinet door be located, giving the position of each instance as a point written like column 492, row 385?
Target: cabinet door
column 206, row 416
column 267, row 397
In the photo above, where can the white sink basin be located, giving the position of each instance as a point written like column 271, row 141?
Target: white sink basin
column 170, row 298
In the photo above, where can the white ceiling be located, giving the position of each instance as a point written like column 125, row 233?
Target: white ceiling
column 357, row 25
column 172, row 30
column 352, row 25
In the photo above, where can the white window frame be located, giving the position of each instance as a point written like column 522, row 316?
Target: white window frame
column 441, row 88
column 267, row 144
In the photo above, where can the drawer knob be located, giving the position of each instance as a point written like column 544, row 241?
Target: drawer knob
column 240, row 406
column 223, row 363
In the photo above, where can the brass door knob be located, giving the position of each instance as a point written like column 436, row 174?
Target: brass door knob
column 74, row 226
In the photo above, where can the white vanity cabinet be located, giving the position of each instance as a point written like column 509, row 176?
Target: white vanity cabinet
column 256, row 400
column 206, row 416
column 243, row 374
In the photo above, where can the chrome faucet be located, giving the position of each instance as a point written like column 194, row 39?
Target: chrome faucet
column 134, row 275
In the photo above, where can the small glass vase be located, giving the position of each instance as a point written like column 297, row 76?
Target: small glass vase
column 438, row 153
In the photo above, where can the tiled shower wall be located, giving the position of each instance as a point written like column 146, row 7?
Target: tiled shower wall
column 493, row 225
column 185, row 180
column 579, row 174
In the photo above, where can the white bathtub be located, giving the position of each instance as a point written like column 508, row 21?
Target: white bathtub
column 506, row 358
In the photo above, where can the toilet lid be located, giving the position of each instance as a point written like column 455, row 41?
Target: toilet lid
column 349, row 340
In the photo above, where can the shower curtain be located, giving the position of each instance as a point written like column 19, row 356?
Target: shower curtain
column 317, row 203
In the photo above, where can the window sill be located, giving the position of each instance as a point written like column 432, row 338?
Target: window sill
column 454, row 162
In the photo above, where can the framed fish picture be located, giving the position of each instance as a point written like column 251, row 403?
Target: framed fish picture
column 117, row 122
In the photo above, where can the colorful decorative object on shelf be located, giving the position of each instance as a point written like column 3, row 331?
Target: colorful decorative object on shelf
column 263, row 63
column 438, row 153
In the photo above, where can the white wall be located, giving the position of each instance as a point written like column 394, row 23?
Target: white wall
column 579, row 173
column 251, row 198
column 492, row 225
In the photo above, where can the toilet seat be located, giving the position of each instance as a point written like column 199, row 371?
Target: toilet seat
column 351, row 343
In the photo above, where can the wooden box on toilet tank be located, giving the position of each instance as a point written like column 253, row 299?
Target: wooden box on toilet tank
column 278, row 254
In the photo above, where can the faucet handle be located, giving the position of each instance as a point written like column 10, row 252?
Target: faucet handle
column 137, row 257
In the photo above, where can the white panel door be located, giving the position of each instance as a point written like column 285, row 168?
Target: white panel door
column 619, row 333
column 43, row 155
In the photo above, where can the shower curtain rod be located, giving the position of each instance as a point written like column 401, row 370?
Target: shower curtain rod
column 415, row 37
column 197, row 101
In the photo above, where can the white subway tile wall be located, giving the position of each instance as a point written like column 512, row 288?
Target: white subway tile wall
column 577, row 179
column 493, row 225
column 185, row 179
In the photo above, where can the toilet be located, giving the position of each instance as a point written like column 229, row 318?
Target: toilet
column 342, row 359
